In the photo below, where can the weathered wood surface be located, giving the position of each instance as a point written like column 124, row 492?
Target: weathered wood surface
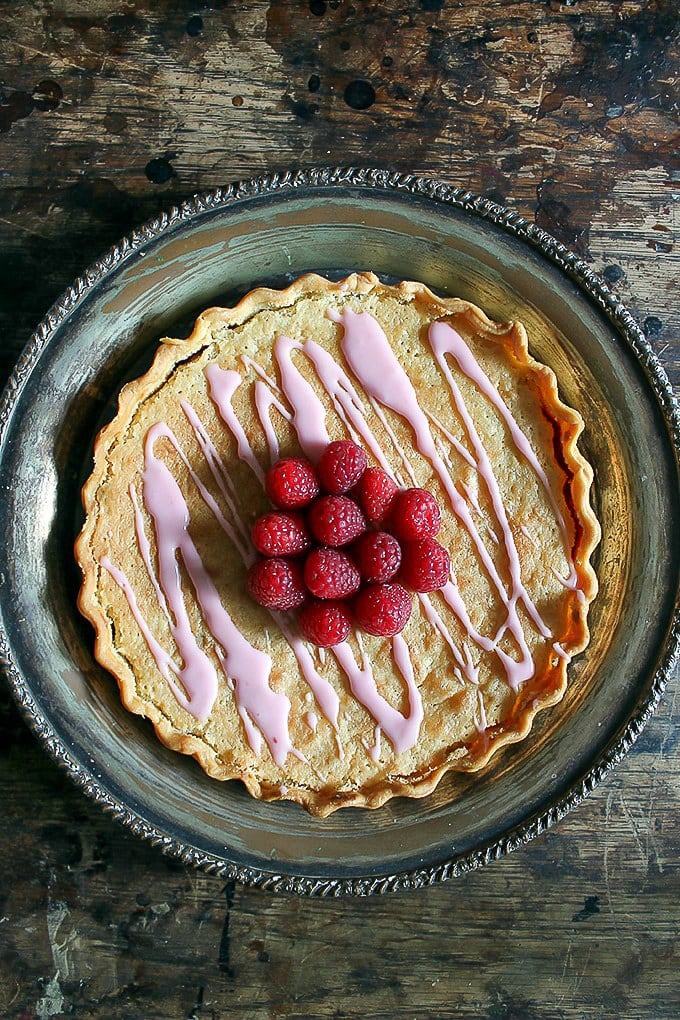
column 568, row 112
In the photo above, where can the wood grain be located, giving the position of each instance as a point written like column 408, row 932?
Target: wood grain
column 567, row 112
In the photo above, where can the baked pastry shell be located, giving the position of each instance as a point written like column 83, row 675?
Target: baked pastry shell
column 543, row 691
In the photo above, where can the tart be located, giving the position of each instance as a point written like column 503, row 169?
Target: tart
column 440, row 398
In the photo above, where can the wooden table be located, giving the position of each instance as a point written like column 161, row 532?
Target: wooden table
column 567, row 112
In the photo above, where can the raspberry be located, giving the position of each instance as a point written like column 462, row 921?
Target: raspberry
column 325, row 623
column 330, row 574
column 425, row 565
column 291, row 483
column 341, row 466
column 377, row 555
column 278, row 534
column 415, row 514
column 382, row 609
column 336, row 520
column 375, row 493
column 276, row 584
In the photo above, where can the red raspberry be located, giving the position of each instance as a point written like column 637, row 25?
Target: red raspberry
column 276, row 584
column 375, row 493
column 425, row 565
column 278, row 534
column 382, row 609
column 377, row 555
column 325, row 623
column 336, row 520
column 341, row 466
column 291, row 483
column 415, row 514
column 330, row 574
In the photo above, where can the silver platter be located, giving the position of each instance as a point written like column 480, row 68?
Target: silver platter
column 211, row 250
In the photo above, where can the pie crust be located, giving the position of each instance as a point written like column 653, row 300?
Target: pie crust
column 446, row 399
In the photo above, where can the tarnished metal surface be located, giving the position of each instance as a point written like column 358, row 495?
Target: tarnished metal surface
column 210, row 250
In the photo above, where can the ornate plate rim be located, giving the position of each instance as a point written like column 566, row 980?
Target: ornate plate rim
column 510, row 222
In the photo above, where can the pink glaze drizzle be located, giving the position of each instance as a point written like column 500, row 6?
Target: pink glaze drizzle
column 474, row 503
column 487, row 474
column 246, row 666
column 395, row 442
column 258, row 370
column 221, row 476
column 401, row 730
column 482, row 724
column 325, row 694
column 164, row 662
column 373, row 361
column 340, row 388
column 264, row 401
column 471, row 671
column 338, row 384
column 145, row 550
column 559, row 650
column 374, row 751
column 445, row 340
column 223, row 385
column 241, row 542
column 455, row 443
column 435, row 620
column 308, row 416
column 312, row 720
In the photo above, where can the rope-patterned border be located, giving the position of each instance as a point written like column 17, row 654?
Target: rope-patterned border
column 512, row 223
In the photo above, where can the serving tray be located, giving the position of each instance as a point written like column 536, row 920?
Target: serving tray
column 211, row 250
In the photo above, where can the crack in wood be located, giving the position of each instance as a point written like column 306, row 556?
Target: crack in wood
column 224, row 955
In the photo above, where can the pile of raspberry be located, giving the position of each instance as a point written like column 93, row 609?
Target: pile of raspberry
column 345, row 546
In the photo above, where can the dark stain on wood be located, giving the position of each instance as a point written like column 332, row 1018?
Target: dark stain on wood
column 623, row 60
column 159, row 170
column 224, row 959
column 591, row 905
